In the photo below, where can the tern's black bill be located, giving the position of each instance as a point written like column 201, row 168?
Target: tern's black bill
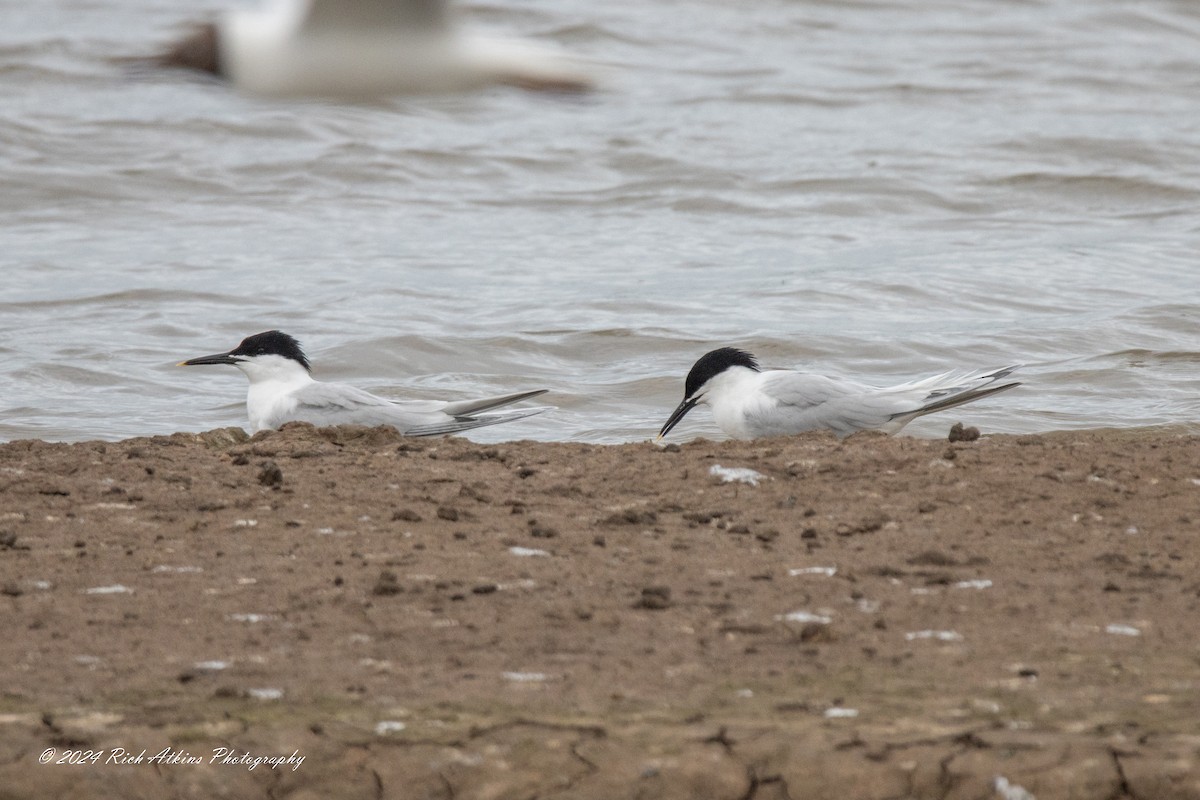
column 679, row 413
column 218, row 358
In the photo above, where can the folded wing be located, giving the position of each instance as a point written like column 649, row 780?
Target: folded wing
column 815, row 402
column 809, row 402
column 338, row 404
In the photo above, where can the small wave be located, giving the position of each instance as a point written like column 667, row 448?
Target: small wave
column 1115, row 192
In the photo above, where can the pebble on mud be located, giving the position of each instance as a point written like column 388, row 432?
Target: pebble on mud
column 541, row 531
column 654, row 598
column 631, row 516
column 960, row 434
column 270, row 474
column 387, row 584
column 817, row 632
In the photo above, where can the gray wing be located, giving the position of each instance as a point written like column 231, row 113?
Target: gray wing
column 815, row 402
column 806, row 402
column 338, row 404
column 323, row 16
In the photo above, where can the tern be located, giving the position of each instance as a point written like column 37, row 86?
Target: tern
column 748, row 402
column 365, row 49
column 282, row 390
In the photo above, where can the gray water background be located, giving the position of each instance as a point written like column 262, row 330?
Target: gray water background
column 874, row 189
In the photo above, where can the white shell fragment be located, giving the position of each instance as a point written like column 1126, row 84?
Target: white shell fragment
column 736, row 474
column 941, row 636
column 1122, row 630
column 114, row 589
column 828, row 572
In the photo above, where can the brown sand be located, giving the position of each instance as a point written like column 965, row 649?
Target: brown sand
column 1007, row 612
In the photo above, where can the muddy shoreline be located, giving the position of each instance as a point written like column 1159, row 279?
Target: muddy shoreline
column 872, row 618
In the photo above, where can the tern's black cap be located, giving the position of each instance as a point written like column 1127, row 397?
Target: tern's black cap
column 714, row 363
column 271, row 343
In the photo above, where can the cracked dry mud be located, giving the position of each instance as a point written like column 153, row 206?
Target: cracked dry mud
column 877, row 618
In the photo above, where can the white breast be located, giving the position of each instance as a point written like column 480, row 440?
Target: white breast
column 269, row 404
column 737, row 402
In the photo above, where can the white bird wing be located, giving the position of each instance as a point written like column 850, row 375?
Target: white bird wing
column 806, row 402
column 324, row 16
column 340, row 404
column 811, row 402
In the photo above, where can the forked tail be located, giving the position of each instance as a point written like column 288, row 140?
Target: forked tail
column 466, row 423
column 468, row 408
column 953, row 389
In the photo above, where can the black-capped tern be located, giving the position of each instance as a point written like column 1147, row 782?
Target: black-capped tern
column 748, row 402
column 282, row 390
column 365, row 48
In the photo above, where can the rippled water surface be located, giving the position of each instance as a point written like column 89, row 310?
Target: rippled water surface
column 882, row 190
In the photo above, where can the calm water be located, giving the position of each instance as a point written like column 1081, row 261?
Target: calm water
column 882, row 190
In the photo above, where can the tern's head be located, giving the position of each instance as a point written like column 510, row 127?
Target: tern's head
column 700, row 379
column 263, row 356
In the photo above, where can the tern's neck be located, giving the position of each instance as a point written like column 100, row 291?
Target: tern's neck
column 273, row 369
column 273, row 386
column 731, row 385
column 734, row 396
